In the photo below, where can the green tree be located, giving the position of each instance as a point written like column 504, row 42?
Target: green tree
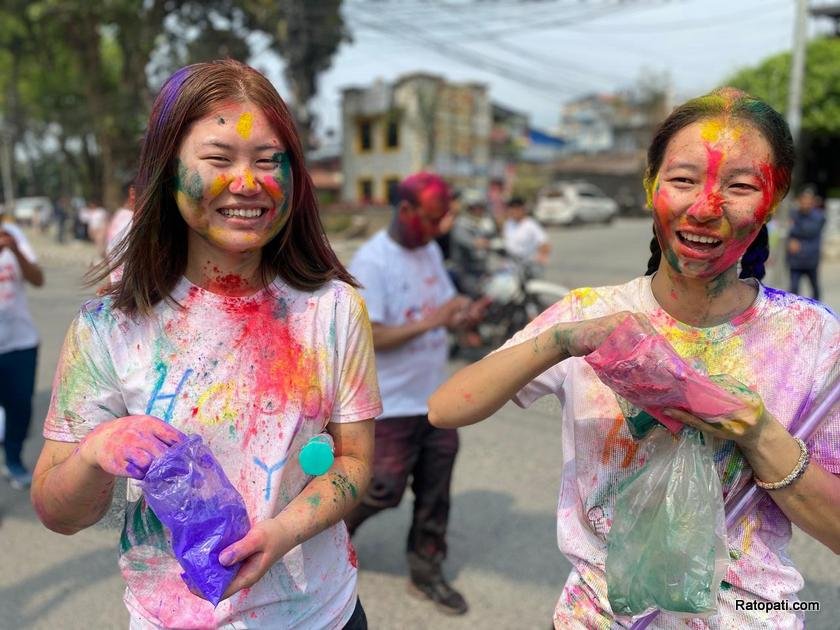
column 821, row 91
column 75, row 83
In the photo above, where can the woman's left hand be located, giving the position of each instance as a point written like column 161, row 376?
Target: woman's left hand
column 258, row 550
column 743, row 426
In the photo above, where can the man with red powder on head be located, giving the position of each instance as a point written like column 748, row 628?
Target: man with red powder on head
column 412, row 302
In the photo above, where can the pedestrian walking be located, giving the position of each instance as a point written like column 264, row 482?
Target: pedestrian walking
column 234, row 320
column 19, row 341
column 717, row 168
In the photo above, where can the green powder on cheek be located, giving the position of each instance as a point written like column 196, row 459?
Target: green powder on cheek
column 189, row 183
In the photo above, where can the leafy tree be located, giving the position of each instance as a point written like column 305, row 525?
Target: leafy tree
column 75, row 85
column 821, row 94
column 819, row 146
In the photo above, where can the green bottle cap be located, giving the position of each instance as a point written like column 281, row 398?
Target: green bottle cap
column 316, row 456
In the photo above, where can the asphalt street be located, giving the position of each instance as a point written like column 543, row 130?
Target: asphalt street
column 503, row 554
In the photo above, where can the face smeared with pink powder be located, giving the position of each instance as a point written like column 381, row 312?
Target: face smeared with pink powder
column 713, row 193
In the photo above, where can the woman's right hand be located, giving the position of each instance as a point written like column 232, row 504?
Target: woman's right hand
column 581, row 338
column 126, row 447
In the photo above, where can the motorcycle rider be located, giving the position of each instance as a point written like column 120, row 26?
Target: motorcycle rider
column 470, row 243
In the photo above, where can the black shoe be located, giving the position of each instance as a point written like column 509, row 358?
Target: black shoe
column 445, row 598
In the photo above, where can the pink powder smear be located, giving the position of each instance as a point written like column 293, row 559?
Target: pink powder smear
column 646, row 370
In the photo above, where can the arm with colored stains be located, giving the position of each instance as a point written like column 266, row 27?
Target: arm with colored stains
column 73, row 483
column 324, row 501
column 479, row 390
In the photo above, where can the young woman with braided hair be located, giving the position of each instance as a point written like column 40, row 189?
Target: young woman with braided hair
column 717, row 168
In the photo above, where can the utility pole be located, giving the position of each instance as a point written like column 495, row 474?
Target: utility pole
column 6, row 153
column 794, row 120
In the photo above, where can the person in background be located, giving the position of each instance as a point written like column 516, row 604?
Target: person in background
column 807, row 220
column 524, row 238
column 470, row 241
column 120, row 221
column 62, row 212
column 412, row 302
column 18, row 346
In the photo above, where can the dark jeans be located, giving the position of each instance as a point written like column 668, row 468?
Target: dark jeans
column 17, row 383
column 811, row 274
column 410, row 446
column 358, row 621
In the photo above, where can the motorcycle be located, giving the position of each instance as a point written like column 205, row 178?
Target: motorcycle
column 515, row 294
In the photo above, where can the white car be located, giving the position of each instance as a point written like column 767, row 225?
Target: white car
column 565, row 203
column 32, row 210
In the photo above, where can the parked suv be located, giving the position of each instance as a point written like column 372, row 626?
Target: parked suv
column 564, row 203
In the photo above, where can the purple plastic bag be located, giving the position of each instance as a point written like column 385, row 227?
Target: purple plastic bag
column 191, row 495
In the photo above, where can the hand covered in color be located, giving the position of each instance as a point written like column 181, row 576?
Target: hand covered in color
column 452, row 313
column 581, row 338
column 261, row 547
column 126, row 447
column 742, row 426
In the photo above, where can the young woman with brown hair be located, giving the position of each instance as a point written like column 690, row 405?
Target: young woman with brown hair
column 233, row 319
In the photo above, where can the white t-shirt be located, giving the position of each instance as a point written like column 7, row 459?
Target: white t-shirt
column 784, row 347
column 524, row 238
column 400, row 286
column 118, row 227
column 256, row 376
column 17, row 329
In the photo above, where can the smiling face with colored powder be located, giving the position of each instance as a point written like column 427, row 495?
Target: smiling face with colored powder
column 234, row 183
column 713, row 192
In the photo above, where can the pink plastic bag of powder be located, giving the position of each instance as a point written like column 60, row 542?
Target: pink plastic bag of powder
column 646, row 370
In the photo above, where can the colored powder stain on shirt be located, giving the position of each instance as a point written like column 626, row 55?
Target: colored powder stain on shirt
column 351, row 554
column 586, row 297
column 244, row 125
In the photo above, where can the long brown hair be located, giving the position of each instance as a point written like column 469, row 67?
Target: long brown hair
column 154, row 253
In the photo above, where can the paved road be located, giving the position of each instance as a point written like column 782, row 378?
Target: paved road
column 503, row 552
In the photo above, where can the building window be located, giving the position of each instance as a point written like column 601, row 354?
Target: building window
column 365, row 135
column 391, row 184
column 365, row 187
column 392, row 133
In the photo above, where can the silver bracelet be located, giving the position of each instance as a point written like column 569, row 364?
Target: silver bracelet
column 796, row 473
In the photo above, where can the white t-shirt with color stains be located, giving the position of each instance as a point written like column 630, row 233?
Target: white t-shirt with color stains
column 17, row 329
column 784, row 346
column 256, row 376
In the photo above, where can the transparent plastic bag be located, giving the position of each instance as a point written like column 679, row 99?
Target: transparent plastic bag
column 191, row 495
column 666, row 547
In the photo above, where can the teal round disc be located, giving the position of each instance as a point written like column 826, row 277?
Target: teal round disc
column 316, row 457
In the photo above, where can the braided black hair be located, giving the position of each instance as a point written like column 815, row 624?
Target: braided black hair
column 655, row 255
column 752, row 262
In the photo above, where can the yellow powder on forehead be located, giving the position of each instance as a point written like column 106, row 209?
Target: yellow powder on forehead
column 244, row 124
column 717, row 129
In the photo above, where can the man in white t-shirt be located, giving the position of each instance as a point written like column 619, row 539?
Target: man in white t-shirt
column 18, row 347
column 524, row 238
column 411, row 302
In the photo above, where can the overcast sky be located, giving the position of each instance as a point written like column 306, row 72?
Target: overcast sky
column 536, row 55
